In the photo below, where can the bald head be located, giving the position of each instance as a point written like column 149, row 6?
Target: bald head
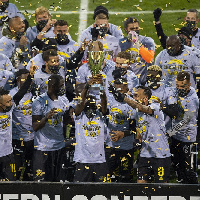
column 173, row 45
column 16, row 24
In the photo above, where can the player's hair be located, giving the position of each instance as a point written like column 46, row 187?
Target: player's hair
column 61, row 23
column 49, row 43
column 147, row 91
column 54, row 80
column 101, row 9
column 101, row 16
column 48, row 53
column 130, row 20
column 3, row 92
column 41, row 10
column 91, row 44
column 125, row 55
column 12, row 20
column 195, row 11
column 120, row 81
column 181, row 76
column 20, row 72
column 155, row 68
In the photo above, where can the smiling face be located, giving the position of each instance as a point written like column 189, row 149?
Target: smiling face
column 17, row 25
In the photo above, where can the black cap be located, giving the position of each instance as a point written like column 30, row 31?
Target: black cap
column 100, row 9
column 49, row 43
column 186, row 31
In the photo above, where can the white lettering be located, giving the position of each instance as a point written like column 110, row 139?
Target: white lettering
column 98, row 197
column 57, row 197
column 80, row 197
column 45, row 197
column 29, row 196
column 159, row 198
column 140, row 198
column 10, row 196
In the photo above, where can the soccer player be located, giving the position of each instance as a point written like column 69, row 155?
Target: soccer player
column 99, row 32
column 7, row 11
column 121, row 127
column 91, row 30
column 67, row 47
column 38, row 60
column 52, row 66
column 14, row 44
column 44, row 25
column 185, row 33
column 142, row 48
column 121, row 68
column 22, row 131
column 184, row 128
column 175, row 58
column 47, row 114
column 7, row 165
column 192, row 19
column 155, row 153
column 90, row 136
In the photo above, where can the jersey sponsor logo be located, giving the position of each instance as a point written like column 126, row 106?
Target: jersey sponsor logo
column 57, row 119
column 4, row 121
column 116, row 116
column 91, row 129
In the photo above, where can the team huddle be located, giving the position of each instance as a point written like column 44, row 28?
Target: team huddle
column 93, row 111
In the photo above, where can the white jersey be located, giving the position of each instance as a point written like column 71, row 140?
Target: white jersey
column 196, row 40
column 68, row 50
column 188, row 61
column 7, row 79
column 110, row 46
column 50, row 137
column 152, row 129
column 6, row 133
column 113, row 29
column 132, row 79
column 32, row 32
column 41, row 79
column 5, row 63
column 90, row 136
column 11, row 11
column 189, row 103
column 118, row 120
column 38, row 61
column 8, row 48
column 22, row 117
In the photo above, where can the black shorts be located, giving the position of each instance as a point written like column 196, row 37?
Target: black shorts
column 120, row 163
column 7, row 168
column 50, row 165
column 157, row 167
column 91, row 172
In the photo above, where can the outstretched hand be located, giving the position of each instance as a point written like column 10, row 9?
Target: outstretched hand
column 157, row 13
